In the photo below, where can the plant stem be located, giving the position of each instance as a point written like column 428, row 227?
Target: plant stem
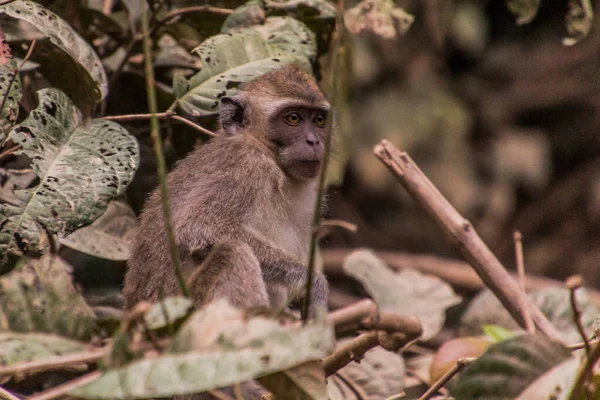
column 322, row 179
column 158, row 149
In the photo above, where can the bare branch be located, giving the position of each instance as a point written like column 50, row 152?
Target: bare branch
column 460, row 364
column 573, row 283
column 462, row 234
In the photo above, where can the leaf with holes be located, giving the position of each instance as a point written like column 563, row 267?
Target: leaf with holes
column 10, row 94
column 62, row 35
column 232, row 59
column 82, row 166
column 39, row 296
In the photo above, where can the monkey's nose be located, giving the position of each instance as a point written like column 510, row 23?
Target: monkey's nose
column 312, row 140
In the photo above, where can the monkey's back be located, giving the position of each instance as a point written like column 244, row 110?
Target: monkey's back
column 227, row 184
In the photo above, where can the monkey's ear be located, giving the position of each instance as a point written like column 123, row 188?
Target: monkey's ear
column 232, row 117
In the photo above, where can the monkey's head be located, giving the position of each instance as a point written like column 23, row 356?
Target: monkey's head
column 287, row 110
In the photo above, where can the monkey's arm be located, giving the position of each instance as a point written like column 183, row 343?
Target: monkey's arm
column 278, row 268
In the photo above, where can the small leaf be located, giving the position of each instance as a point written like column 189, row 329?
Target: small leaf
column 172, row 308
column 230, row 60
column 497, row 333
column 81, row 165
column 10, row 90
column 508, row 367
column 38, row 296
column 526, row 10
column 453, row 350
column 579, row 21
column 302, row 382
column 108, row 237
column 17, row 348
column 408, row 292
column 382, row 17
column 62, row 35
column 305, row 10
column 250, row 13
column 217, row 346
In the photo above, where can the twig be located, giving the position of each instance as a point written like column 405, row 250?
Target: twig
column 358, row 391
column 158, row 149
column 341, row 224
column 5, row 394
column 400, row 395
column 518, row 239
column 364, row 315
column 457, row 273
column 187, row 10
column 573, row 283
column 581, row 345
column 217, row 394
column 54, row 363
column 8, row 152
column 460, row 364
column 60, row 390
column 586, row 373
column 322, row 178
column 164, row 115
column 16, row 73
column 353, row 350
column 5, row 2
column 463, row 236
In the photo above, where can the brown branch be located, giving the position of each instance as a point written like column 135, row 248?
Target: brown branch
column 5, row 394
column 8, row 152
column 353, row 350
column 460, row 364
column 357, row 389
column 364, row 315
column 164, row 115
column 581, row 345
column 462, row 234
column 388, row 330
column 586, row 373
column 350, row 227
column 186, row 10
column 457, row 273
column 573, row 283
column 54, row 363
column 518, row 239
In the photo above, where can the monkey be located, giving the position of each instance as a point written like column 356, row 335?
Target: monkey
column 243, row 203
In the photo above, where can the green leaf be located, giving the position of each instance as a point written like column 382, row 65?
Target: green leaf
column 17, row 348
column 579, row 21
column 38, row 296
column 10, row 89
column 497, row 333
column 507, row 368
column 408, row 292
column 62, row 35
column 250, row 13
column 526, row 10
column 230, row 60
column 217, row 346
column 81, row 165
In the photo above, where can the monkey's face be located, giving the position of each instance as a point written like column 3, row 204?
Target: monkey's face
column 298, row 134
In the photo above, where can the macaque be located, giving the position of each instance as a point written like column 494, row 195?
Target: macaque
column 242, row 204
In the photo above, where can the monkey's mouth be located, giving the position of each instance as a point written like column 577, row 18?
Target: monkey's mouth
column 305, row 168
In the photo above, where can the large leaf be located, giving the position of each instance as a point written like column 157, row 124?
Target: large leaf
column 81, row 165
column 10, row 91
column 38, row 296
column 109, row 237
column 62, row 35
column 507, row 368
column 17, row 347
column 217, row 346
column 408, row 292
column 230, row 60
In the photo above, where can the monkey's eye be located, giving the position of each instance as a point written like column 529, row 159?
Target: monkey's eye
column 320, row 120
column 293, row 118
